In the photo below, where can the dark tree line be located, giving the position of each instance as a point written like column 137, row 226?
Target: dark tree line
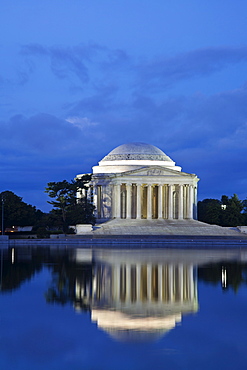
column 17, row 212
column 67, row 210
column 229, row 211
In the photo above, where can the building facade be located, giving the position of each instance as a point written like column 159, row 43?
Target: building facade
column 139, row 181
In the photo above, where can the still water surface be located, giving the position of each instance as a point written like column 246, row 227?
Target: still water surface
column 122, row 309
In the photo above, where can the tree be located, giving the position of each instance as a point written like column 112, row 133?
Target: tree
column 64, row 195
column 209, row 211
column 231, row 214
column 17, row 212
column 224, row 212
column 68, row 208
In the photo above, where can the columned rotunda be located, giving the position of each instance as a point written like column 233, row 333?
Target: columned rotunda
column 139, row 181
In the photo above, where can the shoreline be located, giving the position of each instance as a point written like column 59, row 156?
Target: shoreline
column 135, row 241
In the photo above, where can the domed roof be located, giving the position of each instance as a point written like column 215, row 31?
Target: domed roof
column 137, row 151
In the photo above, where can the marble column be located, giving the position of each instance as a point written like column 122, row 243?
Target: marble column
column 149, row 202
column 165, row 201
column 99, row 201
column 195, row 204
column 160, row 201
column 170, row 202
column 190, row 201
column 128, row 201
column 117, row 201
column 123, row 201
column 95, row 196
column 138, row 202
column 103, row 202
column 181, row 202
column 187, row 199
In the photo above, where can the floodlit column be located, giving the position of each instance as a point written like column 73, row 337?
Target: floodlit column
column 128, row 201
column 103, row 201
column 160, row 201
column 170, row 202
column 149, row 202
column 165, row 201
column 190, row 201
column 187, row 200
column 95, row 196
column 195, row 204
column 181, row 202
column 138, row 202
column 99, row 194
column 117, row 201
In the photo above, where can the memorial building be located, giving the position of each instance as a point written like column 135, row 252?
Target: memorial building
column 139, row 181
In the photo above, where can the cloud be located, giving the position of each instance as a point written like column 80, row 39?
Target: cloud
column 166, row 71
column 80, row 61
column 95, row 67
column 115, row 103
column 81, row 122
column 64, row 62
column 39, row 133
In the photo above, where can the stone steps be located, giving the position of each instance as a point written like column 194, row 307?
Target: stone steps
column 162, row 227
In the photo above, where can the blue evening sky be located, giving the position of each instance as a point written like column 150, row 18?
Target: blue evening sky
column 78, row 78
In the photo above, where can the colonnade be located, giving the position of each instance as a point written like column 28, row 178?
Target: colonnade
column 148, row 201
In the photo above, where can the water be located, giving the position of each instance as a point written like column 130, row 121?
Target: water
column 119, row 309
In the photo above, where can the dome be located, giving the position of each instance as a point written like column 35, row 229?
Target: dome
column 137, row 151
column 133, row 156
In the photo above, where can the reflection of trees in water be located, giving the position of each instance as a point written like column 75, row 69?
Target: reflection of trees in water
column 234, row 274
column 62, row 286
column 20, row 264
column 16, row 268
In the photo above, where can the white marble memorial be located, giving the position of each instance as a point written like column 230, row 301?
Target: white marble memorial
column 139, row 181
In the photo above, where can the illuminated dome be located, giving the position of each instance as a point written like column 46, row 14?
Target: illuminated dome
column 133, row 156
column 137, row 151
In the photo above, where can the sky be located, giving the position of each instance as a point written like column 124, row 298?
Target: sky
column 78, row 78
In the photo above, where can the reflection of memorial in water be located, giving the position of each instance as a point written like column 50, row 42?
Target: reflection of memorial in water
column 132, row 297
column 130, row 294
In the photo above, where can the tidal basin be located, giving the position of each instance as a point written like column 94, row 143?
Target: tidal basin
column 108, row 308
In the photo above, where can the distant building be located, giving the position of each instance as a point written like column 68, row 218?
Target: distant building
column 139, row 181
column 16, row 229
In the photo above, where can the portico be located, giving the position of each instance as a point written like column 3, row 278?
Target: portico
column 153, row 201
column 139, row 181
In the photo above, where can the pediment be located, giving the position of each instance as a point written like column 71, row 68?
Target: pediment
column 154, row 171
